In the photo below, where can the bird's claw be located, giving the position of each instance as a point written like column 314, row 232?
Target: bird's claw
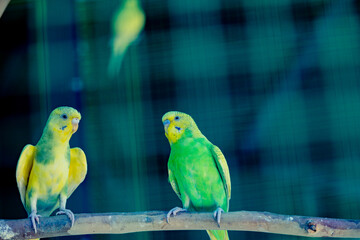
column 34, row 217
column 174, row 211
column 217, row 215
column 68, row 213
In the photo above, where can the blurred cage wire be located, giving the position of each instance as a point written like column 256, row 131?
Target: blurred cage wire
column 275, row 84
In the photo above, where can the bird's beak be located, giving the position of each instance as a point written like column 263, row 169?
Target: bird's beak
column 75, row 124
column 166, row 124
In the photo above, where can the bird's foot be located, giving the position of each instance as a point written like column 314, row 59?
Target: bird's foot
column 68, row 213
column 174, row 211
column 217, row 215
column 34, row 219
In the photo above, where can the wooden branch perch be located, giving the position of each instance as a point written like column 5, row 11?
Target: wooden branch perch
column 117, row 223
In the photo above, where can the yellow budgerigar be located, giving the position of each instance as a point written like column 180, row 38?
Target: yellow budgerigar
column 49, row 172
column 128, row 22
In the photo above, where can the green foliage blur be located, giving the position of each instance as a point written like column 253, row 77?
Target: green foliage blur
column 275, row 84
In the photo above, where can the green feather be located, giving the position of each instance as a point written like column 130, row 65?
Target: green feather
column 195, row 172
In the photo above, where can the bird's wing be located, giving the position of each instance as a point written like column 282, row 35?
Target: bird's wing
column 78, row 169
column 223, row 169
column 174, row 184
column 23, row 169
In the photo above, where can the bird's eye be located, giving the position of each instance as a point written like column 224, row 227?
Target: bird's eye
column 177, row 118
column 64, row 116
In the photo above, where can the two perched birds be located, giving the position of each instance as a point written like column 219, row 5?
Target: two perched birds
column 49, row 172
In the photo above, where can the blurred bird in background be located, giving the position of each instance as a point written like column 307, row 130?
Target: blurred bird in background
column 48, row 173
column 198, row 172
column 128, row 22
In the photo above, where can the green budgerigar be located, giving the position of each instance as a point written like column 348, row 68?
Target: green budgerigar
column 198, row 171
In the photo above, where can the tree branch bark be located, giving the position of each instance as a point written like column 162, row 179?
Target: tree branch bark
column 119, row 223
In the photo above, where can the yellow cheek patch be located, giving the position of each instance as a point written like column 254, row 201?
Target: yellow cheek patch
column 173, row 134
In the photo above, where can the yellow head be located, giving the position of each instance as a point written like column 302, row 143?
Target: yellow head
column 63, row 122
column 178, row 125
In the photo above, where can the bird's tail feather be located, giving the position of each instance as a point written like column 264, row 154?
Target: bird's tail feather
column 218, row 234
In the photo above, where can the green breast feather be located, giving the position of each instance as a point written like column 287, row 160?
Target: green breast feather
column 195, row 175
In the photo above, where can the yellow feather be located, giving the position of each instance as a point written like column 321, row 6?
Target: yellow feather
column 78, row 169
column 23, row 169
